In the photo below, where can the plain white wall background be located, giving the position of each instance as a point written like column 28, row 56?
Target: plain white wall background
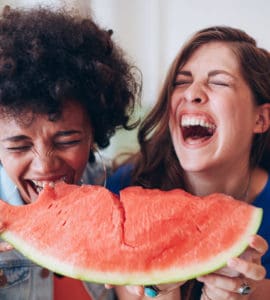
column 152, row 31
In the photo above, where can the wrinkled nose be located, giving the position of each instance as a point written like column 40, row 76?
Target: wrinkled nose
column 44, row 163
column 195, row 93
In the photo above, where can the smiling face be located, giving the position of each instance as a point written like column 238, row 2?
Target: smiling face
column 45, row 151
column 213, row 116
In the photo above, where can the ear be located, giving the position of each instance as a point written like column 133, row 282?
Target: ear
column 262, row 123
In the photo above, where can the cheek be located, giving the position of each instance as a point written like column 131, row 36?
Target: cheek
column 14, row 167
column 174, row 106
column 79, row 158
column 175, row 101
column 226, row 112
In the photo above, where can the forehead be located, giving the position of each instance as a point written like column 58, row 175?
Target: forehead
column 73, row 115
column 214, row 54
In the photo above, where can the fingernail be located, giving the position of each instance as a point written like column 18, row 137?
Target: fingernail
column 135, row 290
column 8, row 247
column 201, row 279
column 139, row 291
column 4, row 246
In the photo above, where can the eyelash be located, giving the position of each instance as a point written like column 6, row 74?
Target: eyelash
column 18, row 149
column 219, row 83
column 59, row 144
column 73, row 142
column 180, row 83
column 177, row 83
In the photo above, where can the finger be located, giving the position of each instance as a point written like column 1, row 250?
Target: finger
column 251, row 255
column 211, row 293
column 227, row 271
column 259, row 244
column 257, row 248
column 165, row 288
column 108, row 286
column 227, row 284
column 4, row 246
column 248, row 269
column 135, row 289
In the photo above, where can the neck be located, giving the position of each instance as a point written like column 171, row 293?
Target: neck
column 234, row 184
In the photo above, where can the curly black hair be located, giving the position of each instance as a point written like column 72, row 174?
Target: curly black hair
column 49, row 57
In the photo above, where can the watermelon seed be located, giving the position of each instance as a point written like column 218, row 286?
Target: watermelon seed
column 198, row 228
column 64, row 223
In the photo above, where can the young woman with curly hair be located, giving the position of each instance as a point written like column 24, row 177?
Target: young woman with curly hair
column 65, row 87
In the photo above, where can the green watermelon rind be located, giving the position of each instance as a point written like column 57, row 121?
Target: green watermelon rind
column 157, row 276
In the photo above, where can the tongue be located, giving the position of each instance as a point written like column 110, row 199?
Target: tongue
column 196, row 140
column 196, row 134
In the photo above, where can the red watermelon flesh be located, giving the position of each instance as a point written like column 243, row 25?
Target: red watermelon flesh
column 148, row 236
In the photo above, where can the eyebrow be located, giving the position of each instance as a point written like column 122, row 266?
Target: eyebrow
column 15, row 138
column 210, row 74
column 18, row 138
column 68, row 132
column 186, row 73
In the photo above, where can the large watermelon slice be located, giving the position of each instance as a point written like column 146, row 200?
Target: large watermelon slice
column 145, row 237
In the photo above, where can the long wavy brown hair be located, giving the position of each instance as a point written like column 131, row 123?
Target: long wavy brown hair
column 156, row 165
column 157, row 155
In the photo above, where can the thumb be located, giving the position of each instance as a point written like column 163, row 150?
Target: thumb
column 4, row 246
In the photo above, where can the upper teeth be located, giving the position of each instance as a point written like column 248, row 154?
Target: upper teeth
column 41, row 184
column 196, row 121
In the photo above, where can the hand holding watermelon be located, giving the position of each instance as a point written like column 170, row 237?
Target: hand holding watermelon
column 224, row 283
column 246, row 269
column 4, row 246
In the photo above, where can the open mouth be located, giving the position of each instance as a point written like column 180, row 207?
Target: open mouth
column 38, row 186
column 197, row 128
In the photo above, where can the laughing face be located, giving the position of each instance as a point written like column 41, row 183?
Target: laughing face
column 213, row 115
column 43, row 151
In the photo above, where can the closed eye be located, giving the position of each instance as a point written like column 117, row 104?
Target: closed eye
column 181, row 82
column 219, row 83
column 68, row 143
column 19, row 149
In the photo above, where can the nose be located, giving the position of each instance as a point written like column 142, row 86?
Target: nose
column 195, row 93
column 45, row 163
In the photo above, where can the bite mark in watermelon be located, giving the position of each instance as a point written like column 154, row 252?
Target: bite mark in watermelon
column 147, row 236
